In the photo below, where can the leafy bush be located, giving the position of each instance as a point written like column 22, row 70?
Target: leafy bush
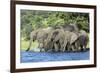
column 32, row 19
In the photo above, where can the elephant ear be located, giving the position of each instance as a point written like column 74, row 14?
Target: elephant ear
column 55, row 36
column 59, row 33
column 74, row 37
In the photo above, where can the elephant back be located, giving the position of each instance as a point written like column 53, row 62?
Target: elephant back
column 43, row 34
column 70, row 27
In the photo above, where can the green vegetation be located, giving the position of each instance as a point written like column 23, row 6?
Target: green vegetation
column 34, row 19
column 25, row 44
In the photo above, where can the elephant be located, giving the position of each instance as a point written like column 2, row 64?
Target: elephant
column 83, row 40
column 55, row 39
column 70, row 41
column 60, row 40
column 40, row 35
column 33, row 37
column 48, row 45
column 70, row 27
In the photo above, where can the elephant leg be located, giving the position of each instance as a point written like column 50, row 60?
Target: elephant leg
column 56, row 47
column 76, row 46
column 63, row 43
column 73, row 47
column 64, row 46
column 40, row 46
column 81, row 47
column 84, row 48
column 68, row 46
column 43, row 48
column 31, row 40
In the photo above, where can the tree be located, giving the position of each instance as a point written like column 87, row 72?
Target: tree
column 34, row 19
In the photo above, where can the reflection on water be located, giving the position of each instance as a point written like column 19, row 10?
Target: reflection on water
column 47, row 56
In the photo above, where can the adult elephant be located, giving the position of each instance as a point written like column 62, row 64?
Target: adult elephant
column 71, row 27
column 40, row 35
column 33, row 37
column 55, row 40
column 70, row 41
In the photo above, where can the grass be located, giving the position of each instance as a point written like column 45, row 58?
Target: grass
column 25, row 44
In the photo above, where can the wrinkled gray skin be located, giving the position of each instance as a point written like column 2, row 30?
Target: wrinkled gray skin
column 71, row 27
column 40, row 35
column 33, row 37
column 54, row 40
column 71, row 36
column 67, row 37
column 83, row 40
column 48, row 43
column 58, row 37
column 80, row 41
column 70, row 39
column 61, row 39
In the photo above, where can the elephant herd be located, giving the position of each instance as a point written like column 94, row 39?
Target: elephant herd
column 60, row 39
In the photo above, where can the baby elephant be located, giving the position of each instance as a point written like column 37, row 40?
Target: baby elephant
column 83, row 40
column 81, row 43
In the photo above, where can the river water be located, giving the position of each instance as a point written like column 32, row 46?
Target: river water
column 31, row 56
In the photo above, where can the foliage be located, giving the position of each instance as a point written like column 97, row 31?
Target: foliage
column 34, row 19
column 25, row 44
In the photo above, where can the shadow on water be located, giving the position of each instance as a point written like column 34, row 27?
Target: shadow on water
column 31, row 56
